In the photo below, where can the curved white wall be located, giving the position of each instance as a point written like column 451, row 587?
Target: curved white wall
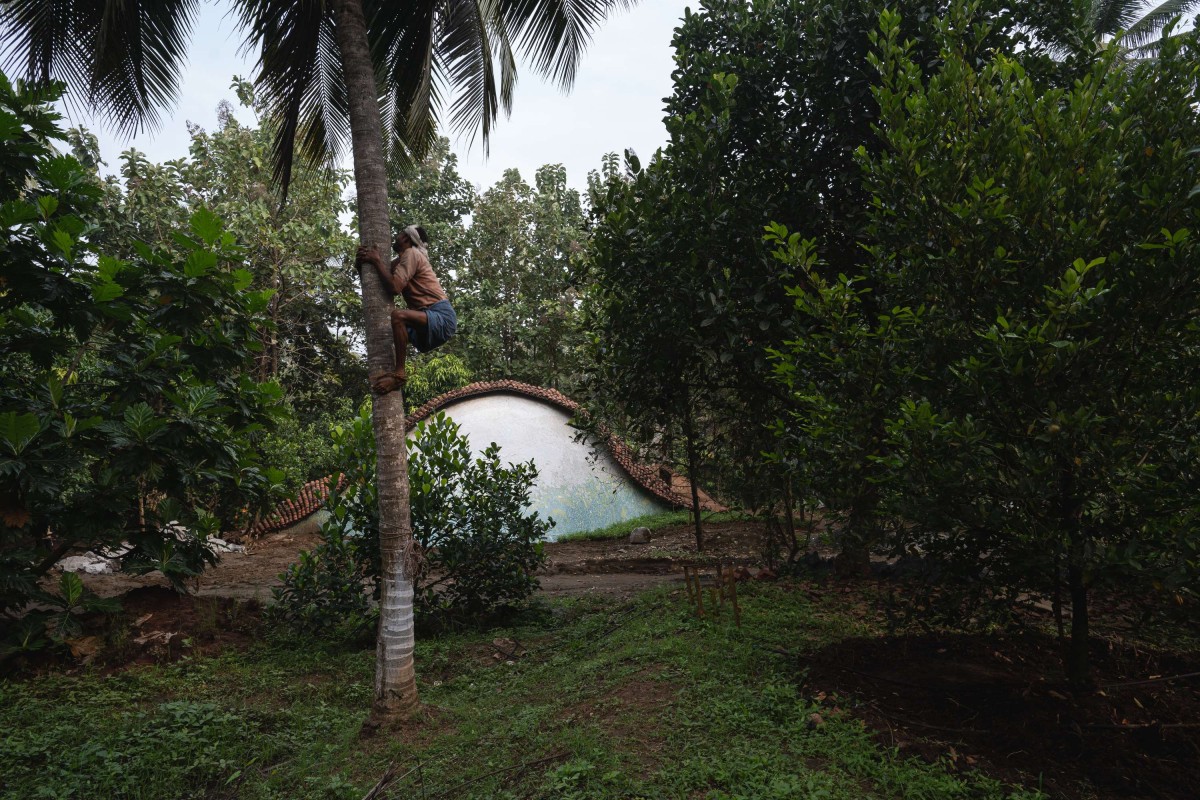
column 578, row 490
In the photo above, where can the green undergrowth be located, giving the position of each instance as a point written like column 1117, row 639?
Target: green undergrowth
column 620, row 530
column 580, row 699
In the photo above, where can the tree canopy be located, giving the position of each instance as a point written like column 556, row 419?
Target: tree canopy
column 129, row 405
column 1023, row 330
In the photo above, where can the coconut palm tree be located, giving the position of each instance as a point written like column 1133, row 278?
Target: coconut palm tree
column 1132, row 26
column 336, row 73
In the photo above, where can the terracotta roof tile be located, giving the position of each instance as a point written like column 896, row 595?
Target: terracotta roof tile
column 287, row 513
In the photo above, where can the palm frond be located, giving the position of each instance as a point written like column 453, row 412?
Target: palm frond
column 124, row 56
column 403, row 44
column 44, row 40
column 1107, row 17
column 300, row 75
column 554, row 33
column 472, row 32
column 471, row 56
column 1148, row 28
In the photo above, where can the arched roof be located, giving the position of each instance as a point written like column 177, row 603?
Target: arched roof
column 646, row 476
column 310, row 497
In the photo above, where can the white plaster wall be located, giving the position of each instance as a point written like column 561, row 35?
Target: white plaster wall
column 578, row 491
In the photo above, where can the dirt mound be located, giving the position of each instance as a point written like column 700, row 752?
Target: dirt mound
column 999, row 704
column 157, row 625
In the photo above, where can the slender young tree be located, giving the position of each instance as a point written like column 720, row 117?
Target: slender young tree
column 335, row 72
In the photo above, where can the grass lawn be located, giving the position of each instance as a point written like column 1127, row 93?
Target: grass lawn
column 579, row 699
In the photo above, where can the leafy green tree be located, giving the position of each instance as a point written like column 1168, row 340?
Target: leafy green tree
column 758, row 134
column 331, row 74
column 1049, row 447
column 847, row 369
column 559, row 243
column 147, row 203
column 480, row 543
column 517, row 294
column 650, row 367
column 434, row 376
column 126, row 410
column 298, row 251
column 764, row 134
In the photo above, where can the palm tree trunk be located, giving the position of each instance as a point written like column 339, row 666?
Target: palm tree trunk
column 395, row 678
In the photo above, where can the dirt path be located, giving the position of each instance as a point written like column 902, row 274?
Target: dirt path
column 609, row 568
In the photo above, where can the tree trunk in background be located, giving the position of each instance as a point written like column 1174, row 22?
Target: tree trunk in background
column 1079, row 668
column 789, row 521
column 854, row 556
column 395, row 678
column 1077, row 662
column 689, row 441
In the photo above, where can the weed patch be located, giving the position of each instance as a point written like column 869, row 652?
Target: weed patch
column 588, row 699
column 620, row 530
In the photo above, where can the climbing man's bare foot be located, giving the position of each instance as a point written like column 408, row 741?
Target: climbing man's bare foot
column 385, row 382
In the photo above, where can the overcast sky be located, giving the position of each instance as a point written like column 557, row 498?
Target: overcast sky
column 616, row 101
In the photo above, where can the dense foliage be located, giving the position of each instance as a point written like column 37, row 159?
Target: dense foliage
column 1018, row 358
column 298, row 251
column 975, row 290
column 1055, row 438
column 477, row 544
column 128, row 404
column 518, row 292
column 433, row 376
column 688, row 299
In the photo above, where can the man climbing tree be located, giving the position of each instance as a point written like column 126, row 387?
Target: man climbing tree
column 428, row 321
column 326, row 68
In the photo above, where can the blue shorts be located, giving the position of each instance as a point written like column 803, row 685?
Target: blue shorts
column 440, row 327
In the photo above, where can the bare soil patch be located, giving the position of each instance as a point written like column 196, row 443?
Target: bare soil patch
column 243, row 576
column 998, row 704
column 616, row 568
column 224, row 604
column 611, row 567
column 158, row 625
column 669, row 548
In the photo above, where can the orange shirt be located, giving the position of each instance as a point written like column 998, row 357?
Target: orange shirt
column 418, row 284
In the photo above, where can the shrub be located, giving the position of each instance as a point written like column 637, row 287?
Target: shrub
column 477, row 545
column 480, row 546
column 434, row 375
column 303, row 451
